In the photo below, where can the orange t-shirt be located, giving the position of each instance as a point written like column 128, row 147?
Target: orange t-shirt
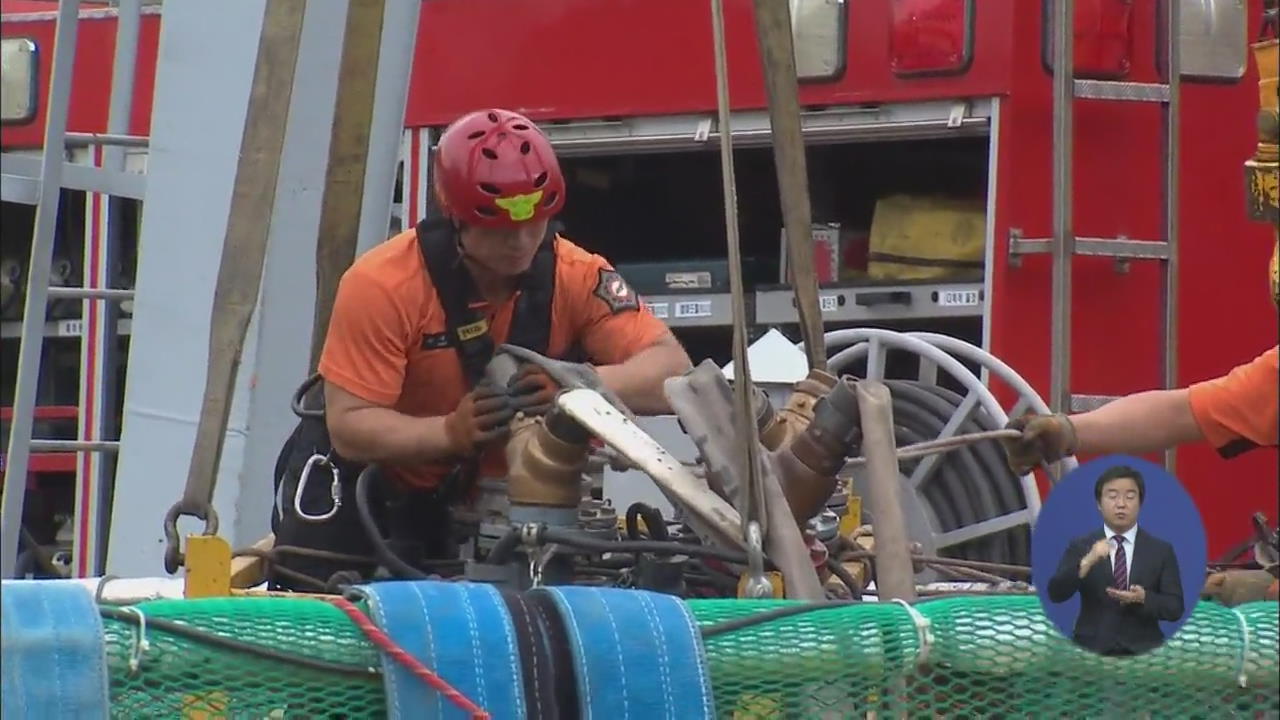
column 386, row 308
column 1238, row 411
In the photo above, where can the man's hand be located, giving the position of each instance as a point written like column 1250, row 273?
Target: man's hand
column 1045, row 439
column 1134, row 595
column 1100, row 549
column 480, row 419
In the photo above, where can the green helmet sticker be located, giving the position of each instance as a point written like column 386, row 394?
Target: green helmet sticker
column 520, row 207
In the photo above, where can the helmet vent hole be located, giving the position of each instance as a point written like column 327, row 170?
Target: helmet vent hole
column 483, row 211
column 525, row 147
column 540, row 180
column 489, row 153
column 520, row 126
column 493, row 117
column 476, row 135
column 490, row 188
column 551, row 199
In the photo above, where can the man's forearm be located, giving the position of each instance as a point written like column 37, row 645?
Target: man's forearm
column 375, row 434
column 638, row 381
column 1139, row 423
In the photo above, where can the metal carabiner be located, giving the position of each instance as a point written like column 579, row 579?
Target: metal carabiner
column 335, row 489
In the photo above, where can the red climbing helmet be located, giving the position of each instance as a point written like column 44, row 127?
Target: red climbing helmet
column 495, row 168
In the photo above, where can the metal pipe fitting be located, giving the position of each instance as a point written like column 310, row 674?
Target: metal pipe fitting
column 546, row 458
column 807, row 465
column 793, row 418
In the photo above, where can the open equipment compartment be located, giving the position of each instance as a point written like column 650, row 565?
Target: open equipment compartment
column 646, row 193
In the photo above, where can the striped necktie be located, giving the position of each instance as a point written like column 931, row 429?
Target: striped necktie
column 1120, row 567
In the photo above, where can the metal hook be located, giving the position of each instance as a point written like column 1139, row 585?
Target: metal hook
column 335, row 489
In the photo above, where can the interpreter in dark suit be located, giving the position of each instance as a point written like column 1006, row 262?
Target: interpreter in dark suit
column 1127, row 578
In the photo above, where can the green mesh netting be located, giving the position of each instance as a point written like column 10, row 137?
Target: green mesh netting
column 179, row 677
column 987, row 657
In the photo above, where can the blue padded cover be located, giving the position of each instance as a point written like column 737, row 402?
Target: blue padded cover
column 638, row 653
column 52, row 653
column 462, row 632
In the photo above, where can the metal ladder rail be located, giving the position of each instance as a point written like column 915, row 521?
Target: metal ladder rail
column 1064, row 244
column 38, row 290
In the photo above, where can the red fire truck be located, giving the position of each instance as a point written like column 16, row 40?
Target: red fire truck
column 898, row 97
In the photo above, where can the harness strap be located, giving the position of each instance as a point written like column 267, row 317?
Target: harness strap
column 467, row 330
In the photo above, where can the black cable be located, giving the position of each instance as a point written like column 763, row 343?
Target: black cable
column 786, row 611
column 855, row 590
column 385, row 555
column 720, row 628
column 653, row 522
column 586, row 542
column 504, row 548
column 226, row 643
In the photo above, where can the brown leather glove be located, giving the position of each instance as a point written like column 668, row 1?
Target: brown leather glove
column 480, row 419
column 1045, row 438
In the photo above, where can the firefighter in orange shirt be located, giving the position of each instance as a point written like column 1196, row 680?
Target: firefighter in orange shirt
column 415, row 323
column 396, row 390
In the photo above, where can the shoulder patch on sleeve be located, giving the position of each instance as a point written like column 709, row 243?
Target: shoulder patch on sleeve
column 614, row 291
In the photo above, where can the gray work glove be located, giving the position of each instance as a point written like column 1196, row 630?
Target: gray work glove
column 539, row 378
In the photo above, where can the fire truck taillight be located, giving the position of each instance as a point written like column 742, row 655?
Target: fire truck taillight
column 1103, row 38
column 17, row 80
column 931, row 37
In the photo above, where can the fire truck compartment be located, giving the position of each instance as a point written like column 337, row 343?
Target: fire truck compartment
column 659, row 216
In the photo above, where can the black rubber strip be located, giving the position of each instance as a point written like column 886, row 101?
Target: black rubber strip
column 536, row 667
column 554, row 636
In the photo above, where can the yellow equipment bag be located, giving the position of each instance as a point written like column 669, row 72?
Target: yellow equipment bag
column 927, row 238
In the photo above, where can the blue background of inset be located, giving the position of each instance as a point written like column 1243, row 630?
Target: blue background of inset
column 1071, row 511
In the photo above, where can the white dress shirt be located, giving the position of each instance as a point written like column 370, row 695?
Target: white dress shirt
column 1130, row 538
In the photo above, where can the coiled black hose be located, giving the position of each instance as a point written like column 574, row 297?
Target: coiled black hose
column 957, row 471
column 971, row 484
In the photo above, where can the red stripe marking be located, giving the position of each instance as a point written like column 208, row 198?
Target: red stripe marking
column 46, row 412
column 413, row 167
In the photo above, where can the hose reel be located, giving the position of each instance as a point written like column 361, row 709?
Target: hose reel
column 966, row 503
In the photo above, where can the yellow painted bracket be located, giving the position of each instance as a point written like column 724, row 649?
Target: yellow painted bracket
column 852, row 519
column 775, row 581
column 208, row 567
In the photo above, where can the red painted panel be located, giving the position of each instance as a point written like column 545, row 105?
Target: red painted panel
column 91, row 86
column 1225, row 317
column 585, row 58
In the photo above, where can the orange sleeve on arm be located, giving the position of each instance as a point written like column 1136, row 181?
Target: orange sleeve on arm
column 615, row 324
column 1239, row 410
column 366, row 348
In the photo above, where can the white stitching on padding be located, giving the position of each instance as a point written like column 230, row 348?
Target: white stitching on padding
column 388, row 667
column 475, row 646
column 655, row 624
column 431, row 642
column 699, row 660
